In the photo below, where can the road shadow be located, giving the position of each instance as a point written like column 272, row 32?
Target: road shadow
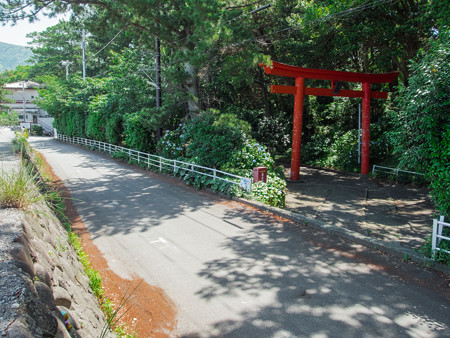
column 384, row 210
column 291, row 281
column 329, row 287
column 113, row 197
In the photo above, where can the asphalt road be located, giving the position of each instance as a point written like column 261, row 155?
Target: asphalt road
column 234, row 271
column 6, row 156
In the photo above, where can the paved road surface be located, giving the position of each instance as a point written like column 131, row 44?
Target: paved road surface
column 237, row 272
column 7, row 159
column 400, row 215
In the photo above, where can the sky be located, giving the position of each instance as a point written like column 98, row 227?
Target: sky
column 16, row 34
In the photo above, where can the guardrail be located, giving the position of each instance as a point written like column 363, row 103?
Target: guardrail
column 438, row 228
column 393, row 170
column 399, row 174
column 160, row 162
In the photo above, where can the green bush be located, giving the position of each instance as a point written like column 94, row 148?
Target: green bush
column 173, row 144
column 273, row 192
column 440, row 256
column 221, row 143
column 422, row 121
column 211, row 144
column 250, row 155
column 114, row 129
column 96, row 119
column 20, row 141
column 138, row 130
column 8, row 118
column 37, row 130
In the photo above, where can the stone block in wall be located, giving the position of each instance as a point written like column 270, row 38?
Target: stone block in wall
column 30, row 280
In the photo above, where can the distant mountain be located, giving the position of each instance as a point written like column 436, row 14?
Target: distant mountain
column 12, row 56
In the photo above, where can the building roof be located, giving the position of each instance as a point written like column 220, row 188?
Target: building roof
column 20, row 84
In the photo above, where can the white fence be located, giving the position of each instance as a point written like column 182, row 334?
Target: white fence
column 438, row 228
column 393, row 171
column 159, row 162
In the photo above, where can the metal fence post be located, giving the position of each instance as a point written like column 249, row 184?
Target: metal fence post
column 434, row 238
column 440, row 225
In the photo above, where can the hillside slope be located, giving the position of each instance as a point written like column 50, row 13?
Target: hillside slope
column 12, row 55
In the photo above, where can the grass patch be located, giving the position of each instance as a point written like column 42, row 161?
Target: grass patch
column 17, row 189
column 95, row 282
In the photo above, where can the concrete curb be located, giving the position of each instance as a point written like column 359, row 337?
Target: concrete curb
column 389, row 248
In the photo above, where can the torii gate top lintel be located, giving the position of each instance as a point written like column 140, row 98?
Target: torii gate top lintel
column 299, row 90
column 282, row 69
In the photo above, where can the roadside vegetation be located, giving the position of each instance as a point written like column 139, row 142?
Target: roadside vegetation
column 222, row 141
column 30, row 182
column 7, row 118
column 17, row 188
column 213, row 87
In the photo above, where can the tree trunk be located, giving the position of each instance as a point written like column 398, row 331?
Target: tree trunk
column 192, row 87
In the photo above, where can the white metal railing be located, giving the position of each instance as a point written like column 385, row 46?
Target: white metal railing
column 438, row 228
column 394, row 171
column 160, row 162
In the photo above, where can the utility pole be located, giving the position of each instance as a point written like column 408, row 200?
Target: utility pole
column 23, row 100
column 158, row 76
column 158, row 80
column 158, row 72
column 83, row 44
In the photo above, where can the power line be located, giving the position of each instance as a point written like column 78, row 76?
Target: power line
column 115, row 36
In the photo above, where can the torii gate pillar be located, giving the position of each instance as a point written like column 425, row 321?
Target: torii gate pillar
column 297, row 130
column 299, row 90
column 365, row 127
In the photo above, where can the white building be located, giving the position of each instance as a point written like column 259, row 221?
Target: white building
column 23, row 94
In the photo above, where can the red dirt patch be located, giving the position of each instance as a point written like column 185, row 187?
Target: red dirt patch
column 148, row 311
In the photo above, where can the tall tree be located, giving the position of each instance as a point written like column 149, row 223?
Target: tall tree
column 422, row 119
column 190, row 29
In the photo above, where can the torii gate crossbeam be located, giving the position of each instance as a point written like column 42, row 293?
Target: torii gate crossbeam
column 299, row 90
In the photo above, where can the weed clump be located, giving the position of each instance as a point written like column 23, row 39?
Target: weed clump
column 17, row 188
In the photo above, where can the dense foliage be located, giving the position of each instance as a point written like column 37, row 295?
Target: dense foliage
column 221, row 142
column 422, row 119
column 210, row 50
column 7, row 117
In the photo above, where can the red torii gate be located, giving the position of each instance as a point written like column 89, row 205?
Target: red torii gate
column 299, row 90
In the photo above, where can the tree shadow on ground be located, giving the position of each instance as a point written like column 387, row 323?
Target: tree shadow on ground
column 295, row 286
column 116, row 198
column 396, row 213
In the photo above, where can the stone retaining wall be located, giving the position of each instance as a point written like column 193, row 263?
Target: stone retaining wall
column 44, row 291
